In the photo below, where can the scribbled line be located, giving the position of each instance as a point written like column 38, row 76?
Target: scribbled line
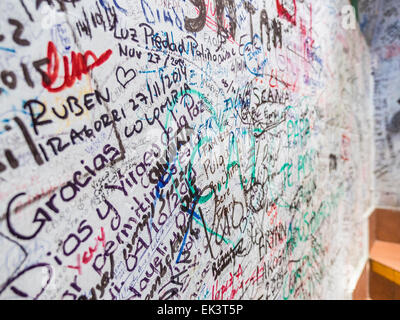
column 7, row 49
column 193, row 215
column 116, row 5
column 302, row 57
column 29, row 141
column 14, row 109
column 26, row 10
column 25, row 253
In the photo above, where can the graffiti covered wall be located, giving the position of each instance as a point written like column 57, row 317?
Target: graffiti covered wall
column 166, row 149
column 379, row 21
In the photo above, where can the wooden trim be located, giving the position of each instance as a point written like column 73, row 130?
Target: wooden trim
column 386, row 272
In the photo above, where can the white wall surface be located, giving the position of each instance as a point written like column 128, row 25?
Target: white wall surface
column 165, row 149
column 380, row 22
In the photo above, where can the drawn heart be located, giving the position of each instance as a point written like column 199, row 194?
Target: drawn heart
column 124, row 77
